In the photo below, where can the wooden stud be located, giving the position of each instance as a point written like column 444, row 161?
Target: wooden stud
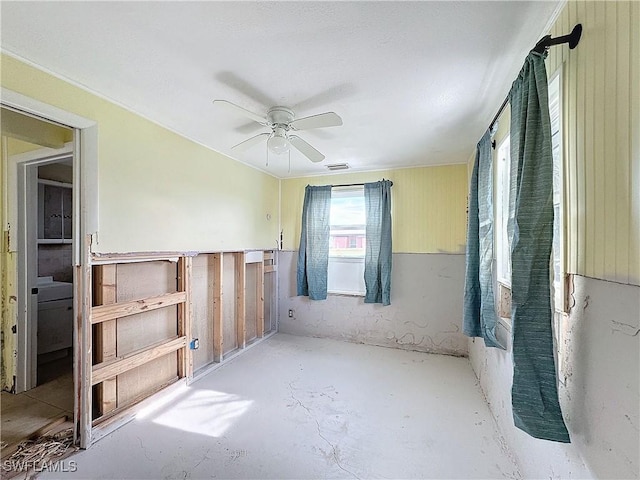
column 83, row 347
column 106, row 370
column 218, row 347
column 78, row 368
column 105, row 334
column 185, row 359
column 124, row 309
column 260, row 300
column 187, row 309
column 240, row 283
column 129, row 410
column 270, row 268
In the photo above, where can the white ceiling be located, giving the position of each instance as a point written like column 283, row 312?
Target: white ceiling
column 416, row 83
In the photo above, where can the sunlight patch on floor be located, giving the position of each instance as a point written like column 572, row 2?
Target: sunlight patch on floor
column 206, row 412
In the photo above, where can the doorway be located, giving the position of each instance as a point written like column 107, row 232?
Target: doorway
column 39, row 386
column 85, row 226
column 54, row 338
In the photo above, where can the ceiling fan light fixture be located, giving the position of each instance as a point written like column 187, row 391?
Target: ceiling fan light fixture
column 278, row 142
column 281, row 121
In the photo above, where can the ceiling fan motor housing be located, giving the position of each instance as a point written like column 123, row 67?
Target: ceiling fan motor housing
column 280, row 116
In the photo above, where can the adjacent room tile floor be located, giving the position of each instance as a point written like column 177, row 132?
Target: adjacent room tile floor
column 297, row 407
column 26, row 412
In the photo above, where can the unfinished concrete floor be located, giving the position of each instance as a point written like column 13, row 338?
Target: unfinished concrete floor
column 297, row 407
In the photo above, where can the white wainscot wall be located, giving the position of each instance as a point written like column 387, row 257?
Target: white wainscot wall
column 425, row 312
column 598, row 388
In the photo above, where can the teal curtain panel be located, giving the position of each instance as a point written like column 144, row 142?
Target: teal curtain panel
column 377, row 266
column 536, row 409
column 479, row 314
column 313, row 254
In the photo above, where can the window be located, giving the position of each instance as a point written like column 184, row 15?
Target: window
column 558, row 247
column 347, row 241
column 558, row 254
column 502, row 252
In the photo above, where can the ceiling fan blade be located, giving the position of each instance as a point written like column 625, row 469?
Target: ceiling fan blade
column 250, row 142
column 232, row 107
column 321, row 120
column 306, row 149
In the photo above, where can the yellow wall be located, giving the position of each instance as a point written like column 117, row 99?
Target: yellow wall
column 8, row 262
column 16, row 147
column 428, row 206
column 27, row 132
column 601, row 138
column 601, row 121
column 8, row 298
column 157, row 190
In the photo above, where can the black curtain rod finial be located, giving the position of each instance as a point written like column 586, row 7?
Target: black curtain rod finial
column 572, row 39
column 574, row 36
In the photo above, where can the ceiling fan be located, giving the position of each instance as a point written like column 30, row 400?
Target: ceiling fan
column 282, row 121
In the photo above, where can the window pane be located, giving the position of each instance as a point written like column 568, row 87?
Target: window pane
column 347, row 241
column 347, row 238
column 558, row 238
column 501, row 238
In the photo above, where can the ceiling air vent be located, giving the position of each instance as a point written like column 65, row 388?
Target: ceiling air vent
column 338, row 166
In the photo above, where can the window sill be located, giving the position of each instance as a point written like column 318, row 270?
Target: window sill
column 505, row 323
column 345, row 294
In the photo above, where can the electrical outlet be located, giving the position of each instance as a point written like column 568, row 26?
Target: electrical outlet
column 290, row 313
column 195, row 344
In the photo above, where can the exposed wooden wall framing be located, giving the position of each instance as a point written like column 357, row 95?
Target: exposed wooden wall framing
column 83, row 347
column 132, row 331
column 104, row 334
column 218, row 345
column 269, row 289
column 240, row 277
column 154, row 319
column 108, row 312
column 111, row 369
column 185, row 360
column 260, row 299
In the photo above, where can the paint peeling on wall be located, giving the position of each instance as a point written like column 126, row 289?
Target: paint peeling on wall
column 424, row 315
column 599, row 388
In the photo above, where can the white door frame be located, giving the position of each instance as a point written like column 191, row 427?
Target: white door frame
column 85, row 226
column 22, row 172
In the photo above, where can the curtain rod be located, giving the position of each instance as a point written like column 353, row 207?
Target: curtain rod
column 353, row 185
column 545, row 42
